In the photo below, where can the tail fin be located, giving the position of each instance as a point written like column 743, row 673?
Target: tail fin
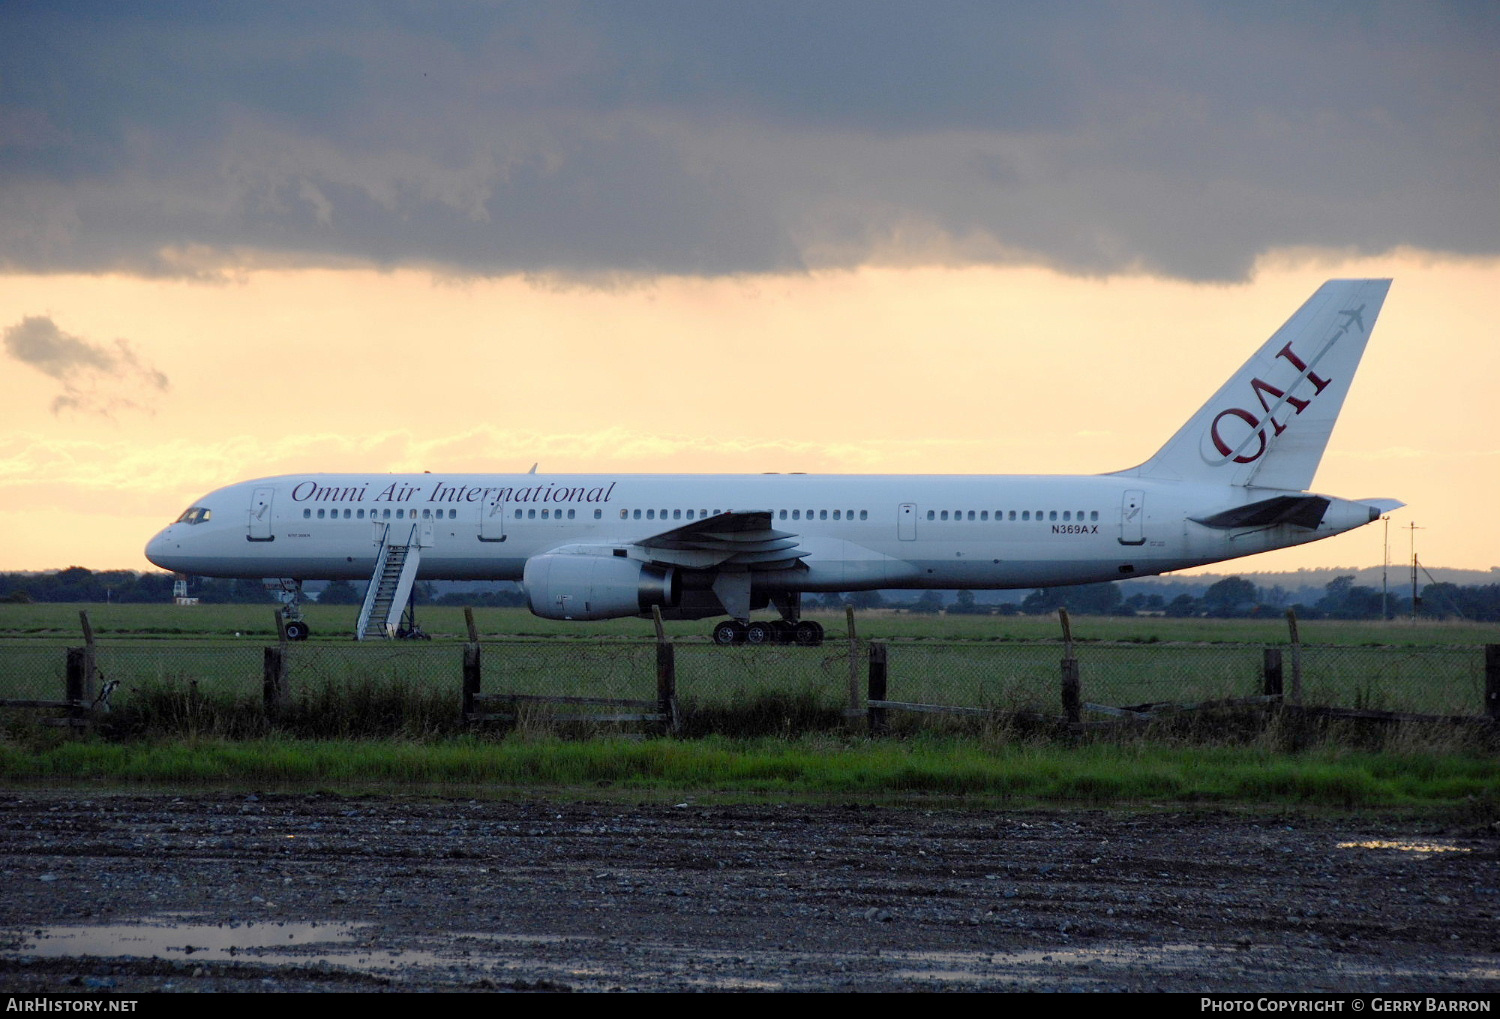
column 1269, row 424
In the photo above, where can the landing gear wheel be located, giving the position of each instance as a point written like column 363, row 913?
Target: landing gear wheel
column 786, row 632
column 729, row 632
column 296, row 629
column 808, row 633
column 760, row 633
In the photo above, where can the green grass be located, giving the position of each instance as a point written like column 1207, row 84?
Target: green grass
column 965, row 770
column 336, row 623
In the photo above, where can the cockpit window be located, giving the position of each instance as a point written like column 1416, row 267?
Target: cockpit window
column 195, row 515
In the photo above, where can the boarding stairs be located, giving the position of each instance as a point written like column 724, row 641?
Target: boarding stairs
column 390, row 587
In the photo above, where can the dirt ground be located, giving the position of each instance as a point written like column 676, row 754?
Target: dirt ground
column 319, row 892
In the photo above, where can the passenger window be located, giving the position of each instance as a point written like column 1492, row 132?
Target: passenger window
column 971, row 514
column 570, row 514
column 822, row 514
column 651, row 514
column 677, row 514
column 598, row 514
column 1026, row 514
column 863, row 514
column 835, row 514
column 931, row 515
column 984, row 514
column 519, row 513
column 1012, row 514
column 796, row 514
column 1067, row 515
column 944, row 515
column 624, row 514
column 1052, row 515
column 544, row 514
column 783, row 515
column 1094, row 515
column 320, row 514
column 307, row 514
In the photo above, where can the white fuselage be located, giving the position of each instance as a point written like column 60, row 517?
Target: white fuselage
column 857, row 532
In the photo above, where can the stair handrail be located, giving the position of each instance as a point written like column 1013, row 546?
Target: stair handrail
column 373, row 590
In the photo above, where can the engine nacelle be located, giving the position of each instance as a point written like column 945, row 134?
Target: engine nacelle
column 572, row 586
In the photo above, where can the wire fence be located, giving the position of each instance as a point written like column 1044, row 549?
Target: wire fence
column 993, row 676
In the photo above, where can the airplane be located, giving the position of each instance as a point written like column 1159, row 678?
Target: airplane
column 1233, row 481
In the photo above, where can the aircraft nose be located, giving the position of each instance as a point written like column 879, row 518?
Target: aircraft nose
column 160, row 548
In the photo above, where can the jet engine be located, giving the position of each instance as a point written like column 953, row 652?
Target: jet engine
column 573, row 586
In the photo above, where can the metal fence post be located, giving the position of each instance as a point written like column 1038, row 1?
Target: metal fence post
column 876, row 688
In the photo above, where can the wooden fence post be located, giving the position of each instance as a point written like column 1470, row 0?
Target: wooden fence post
column 472, row 668
column 853, row 709
column 1492, row 680
column 1072, row 686
column 876, row 688
column 273, row 679
column 472, row 677
column 1291, row 622
column 666, row 675
column 1270, row 670
column 78, row 691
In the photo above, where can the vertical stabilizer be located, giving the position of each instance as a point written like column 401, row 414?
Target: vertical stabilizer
column 1269, row 424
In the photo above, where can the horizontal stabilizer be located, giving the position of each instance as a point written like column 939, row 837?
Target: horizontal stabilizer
column 1298, row 510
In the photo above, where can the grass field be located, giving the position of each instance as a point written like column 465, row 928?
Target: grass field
column 200, row 668
column 336, row 623
column 189, row 710
column 929, row 770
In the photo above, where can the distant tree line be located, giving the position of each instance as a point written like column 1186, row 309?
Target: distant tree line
column 77, row 584
column 1229, row 598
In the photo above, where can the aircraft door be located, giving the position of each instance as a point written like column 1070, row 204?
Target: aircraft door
column 906, row 521
column 492, row 518
column 1133, row 518
column 260, row 515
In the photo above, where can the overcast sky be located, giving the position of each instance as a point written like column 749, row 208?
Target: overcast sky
column 247, row 239
column 706, row 137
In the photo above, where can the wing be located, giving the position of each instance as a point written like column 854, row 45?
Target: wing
column 743, row 539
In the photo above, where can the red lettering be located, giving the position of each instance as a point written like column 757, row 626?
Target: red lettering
column 1318, row 384
column 1224, row 447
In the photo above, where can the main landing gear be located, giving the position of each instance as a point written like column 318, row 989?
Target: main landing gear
column 803, row 633
column 292, row 623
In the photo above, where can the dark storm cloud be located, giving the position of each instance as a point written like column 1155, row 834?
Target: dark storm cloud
column 94, row 379
column 720, row 137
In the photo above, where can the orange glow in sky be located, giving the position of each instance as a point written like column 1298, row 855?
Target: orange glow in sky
column 985, row 370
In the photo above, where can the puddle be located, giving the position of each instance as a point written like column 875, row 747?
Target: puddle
column 172, row 938
column 323, row 943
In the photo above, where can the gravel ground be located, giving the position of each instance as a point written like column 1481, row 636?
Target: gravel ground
column 318, row 892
